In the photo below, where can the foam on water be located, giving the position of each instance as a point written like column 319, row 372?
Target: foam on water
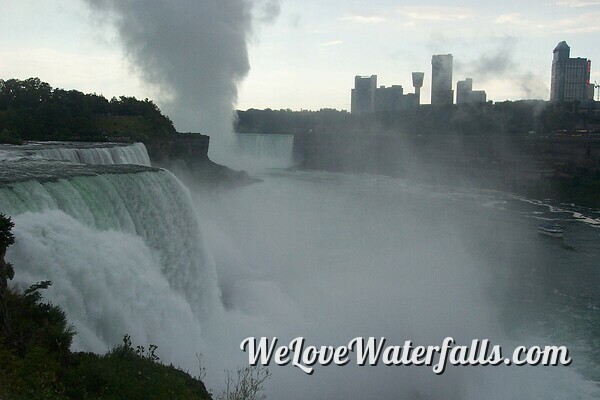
column 575, row 214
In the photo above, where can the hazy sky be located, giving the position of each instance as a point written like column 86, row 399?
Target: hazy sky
column 307, row 53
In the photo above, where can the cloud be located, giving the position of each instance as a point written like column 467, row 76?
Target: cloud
column 436, row 13
column 517, row 19
column 512, row 18
column 99, row 73
column 577, row 3
column 331, row 43
column 583, row 23
column 267, row 11
column 362, row 19
column 295, row 20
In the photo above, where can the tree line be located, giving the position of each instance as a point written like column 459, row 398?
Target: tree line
column 508, row 118
column 32, row 110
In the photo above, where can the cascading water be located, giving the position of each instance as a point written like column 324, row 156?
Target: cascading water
column 122, row 245
column 256, row 151
column 86, row 153
column 110, row 283
column 324, row 256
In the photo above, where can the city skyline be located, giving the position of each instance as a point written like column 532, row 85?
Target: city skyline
column 304, row 55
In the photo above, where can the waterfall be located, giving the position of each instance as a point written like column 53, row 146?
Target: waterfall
column 123, row 249
column 272, row 151
column 86, row 153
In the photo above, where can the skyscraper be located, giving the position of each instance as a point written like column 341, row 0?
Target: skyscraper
column 388, row 98
column 441, row 79
column 466, row 94
column 463, row 88
column 363, row 94
column 570, row 76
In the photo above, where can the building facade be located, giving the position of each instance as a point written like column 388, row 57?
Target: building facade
column 570, row 76
column 441, row 79
column 388, row 98
column 363, row 94
column 368, row 98
column 466, row 94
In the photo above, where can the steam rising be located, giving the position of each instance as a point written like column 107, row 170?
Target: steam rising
column 195, row 51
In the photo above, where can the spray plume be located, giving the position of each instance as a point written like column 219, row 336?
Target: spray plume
column 195, row 51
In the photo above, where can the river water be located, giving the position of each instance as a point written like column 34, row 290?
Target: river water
column 324, row 256
column 331, row 256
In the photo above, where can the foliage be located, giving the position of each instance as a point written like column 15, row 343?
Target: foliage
column 32, row 110
column 35, row 363
column 33, row 354
column 504, row 118
column 246, row 384
column 6, row 236
column 9, row 137
column 129, row 372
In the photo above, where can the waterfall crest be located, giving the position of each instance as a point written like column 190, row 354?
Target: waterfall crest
column 85, row 153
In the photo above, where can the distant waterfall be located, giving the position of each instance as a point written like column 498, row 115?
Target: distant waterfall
column 275, row 151
column 124, row 251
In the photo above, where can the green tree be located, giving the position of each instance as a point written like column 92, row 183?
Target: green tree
column 6, row 271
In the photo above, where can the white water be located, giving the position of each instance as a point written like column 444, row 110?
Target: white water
column 324, row 256
column 255, row 152
column 332, row 256
column 86, row 153
column 109, row 282
column 76, row 232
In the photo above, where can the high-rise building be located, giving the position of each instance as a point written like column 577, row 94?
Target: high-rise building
column 441, row 79
column 363, row 94
column 388, row 98
column 463, row 88
column 368, row 98
column 570, row 76
column 466, row 94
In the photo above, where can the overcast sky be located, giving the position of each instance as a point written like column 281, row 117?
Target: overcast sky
column 307, row 53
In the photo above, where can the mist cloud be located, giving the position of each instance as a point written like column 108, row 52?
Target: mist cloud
column 500, row 64
column 268, row 11
column 495, row 63
column 195, row 51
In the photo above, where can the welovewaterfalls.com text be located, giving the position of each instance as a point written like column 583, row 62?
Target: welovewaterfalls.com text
column 374, row 351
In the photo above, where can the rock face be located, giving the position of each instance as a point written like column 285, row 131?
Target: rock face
column 495, row 161
column 186, row 154
column 188, row 147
